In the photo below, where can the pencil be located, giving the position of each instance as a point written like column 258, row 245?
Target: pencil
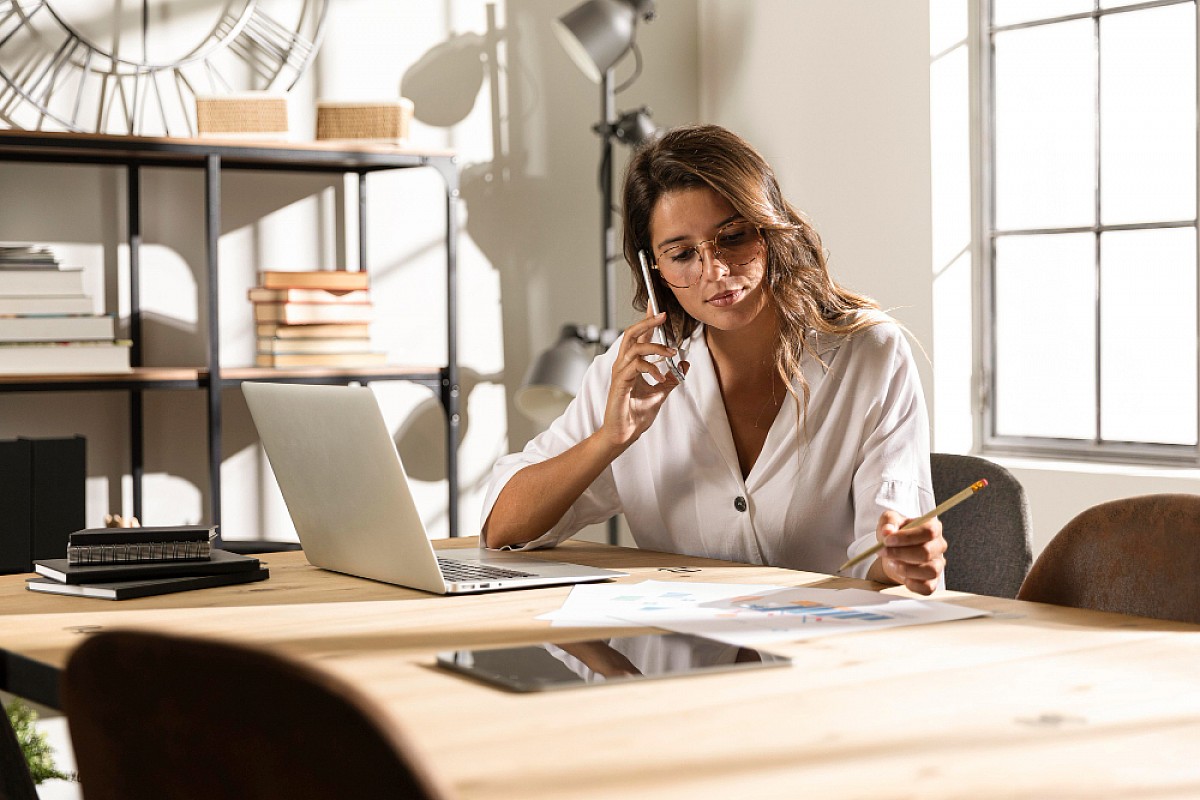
column 921, row 520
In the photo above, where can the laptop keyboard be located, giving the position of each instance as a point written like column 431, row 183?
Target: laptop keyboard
column 453, row 570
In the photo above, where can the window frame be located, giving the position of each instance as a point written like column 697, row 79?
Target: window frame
column 1096, row 449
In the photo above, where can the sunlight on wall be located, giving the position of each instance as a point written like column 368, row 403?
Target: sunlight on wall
column 167, row 496
column 953, row 283
column 168, row 285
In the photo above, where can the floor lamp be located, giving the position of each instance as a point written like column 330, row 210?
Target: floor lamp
column 596, row 34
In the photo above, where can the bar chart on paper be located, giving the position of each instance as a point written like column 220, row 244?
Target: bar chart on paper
column 807, row 611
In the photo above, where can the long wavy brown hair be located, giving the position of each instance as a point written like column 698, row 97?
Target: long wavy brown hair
column 797, row 280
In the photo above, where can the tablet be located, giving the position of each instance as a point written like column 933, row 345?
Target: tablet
column 563, row 665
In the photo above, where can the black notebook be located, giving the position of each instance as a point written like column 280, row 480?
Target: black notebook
column 125, row 545
column 219, row 562
column 127, row 590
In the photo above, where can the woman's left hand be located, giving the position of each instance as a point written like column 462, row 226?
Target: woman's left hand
column 913, row 558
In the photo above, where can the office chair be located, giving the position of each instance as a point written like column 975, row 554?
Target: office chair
column 162, row 717
column 1139, row 555
column 987, row 538
column 15, row 781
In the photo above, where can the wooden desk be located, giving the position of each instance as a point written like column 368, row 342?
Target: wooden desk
column 1034, row 701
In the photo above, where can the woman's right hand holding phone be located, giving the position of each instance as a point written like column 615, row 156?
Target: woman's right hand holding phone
column 633, row 401
column 537, row 496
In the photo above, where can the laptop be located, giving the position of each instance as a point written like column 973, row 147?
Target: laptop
column 349, row 497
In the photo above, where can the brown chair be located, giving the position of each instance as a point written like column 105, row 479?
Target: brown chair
column 161, row 717
column 1139, row 555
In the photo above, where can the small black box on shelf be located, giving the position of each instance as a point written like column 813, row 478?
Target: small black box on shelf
column 43, row 498
column 16, row 505
column 59, row 493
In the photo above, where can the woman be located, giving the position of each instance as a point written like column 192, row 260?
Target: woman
column 799, row 436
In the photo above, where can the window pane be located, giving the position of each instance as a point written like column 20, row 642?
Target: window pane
column 1009, row 12
column 1045, row 336
column 1045, row 126
column 1148, row 115
column 1119, row 3
column 1148, row 336
column 949, row 25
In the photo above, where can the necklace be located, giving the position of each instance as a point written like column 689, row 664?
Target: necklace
column 771, row 402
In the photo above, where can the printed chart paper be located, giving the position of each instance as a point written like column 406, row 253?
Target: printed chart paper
column 748, row 615
column 609, row 604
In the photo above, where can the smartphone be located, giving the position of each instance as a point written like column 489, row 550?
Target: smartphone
column 547, row 666
column 660, row 334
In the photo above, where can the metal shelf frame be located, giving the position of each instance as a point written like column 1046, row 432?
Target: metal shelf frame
column 214, row 157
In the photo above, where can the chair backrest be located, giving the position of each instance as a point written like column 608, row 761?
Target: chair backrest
column 1139, row 555
column 177, row 718
column 15, row 781
column 987, row 538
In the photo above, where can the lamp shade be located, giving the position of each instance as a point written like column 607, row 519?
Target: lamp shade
column 596, row 34
column 554, row 379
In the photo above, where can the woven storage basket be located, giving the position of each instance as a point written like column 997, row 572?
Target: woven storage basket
column 245, row 114
column 385, row 120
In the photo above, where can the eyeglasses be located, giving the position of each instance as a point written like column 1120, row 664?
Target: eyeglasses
column 736, row 244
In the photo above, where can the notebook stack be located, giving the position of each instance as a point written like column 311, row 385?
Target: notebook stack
column 47, row 322
column 123, row 563
column 318, row 318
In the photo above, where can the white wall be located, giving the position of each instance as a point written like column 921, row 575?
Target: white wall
column 835, row 93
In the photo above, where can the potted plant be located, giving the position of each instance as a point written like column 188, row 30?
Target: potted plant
column 39, row 755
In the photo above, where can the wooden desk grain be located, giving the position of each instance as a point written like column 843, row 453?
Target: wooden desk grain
column 1032, row 702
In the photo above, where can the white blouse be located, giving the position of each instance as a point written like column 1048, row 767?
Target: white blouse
column 814, row 495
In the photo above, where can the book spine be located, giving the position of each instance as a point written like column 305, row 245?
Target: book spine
column 61, row 571
column 137, row 552
column 311, row 313
column 58, row 328
column 320, row 359
column 59, row 477
column 329, row 280
column 201, row 582
column 127, row 590
column 16, row 503
column 149, row 535
column 34, row 358
column 66, row 304
column 41, row 282
column 260, row 294
column 340, row 330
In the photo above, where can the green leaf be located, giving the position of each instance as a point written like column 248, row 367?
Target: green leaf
column 38, row 752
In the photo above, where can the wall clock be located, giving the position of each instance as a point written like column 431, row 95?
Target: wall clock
column 115, row 66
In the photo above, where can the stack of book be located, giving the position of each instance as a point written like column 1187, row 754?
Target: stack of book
column 123, row 563
column 47, row 322
column 318, row 318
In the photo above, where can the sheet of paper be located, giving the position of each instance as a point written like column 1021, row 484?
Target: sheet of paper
column 609, row 604
column 747, row 615
column 790, row 615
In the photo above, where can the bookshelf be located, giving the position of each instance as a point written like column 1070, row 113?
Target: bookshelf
column 135, row 154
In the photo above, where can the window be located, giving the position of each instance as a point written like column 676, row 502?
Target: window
column 1089, row 228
